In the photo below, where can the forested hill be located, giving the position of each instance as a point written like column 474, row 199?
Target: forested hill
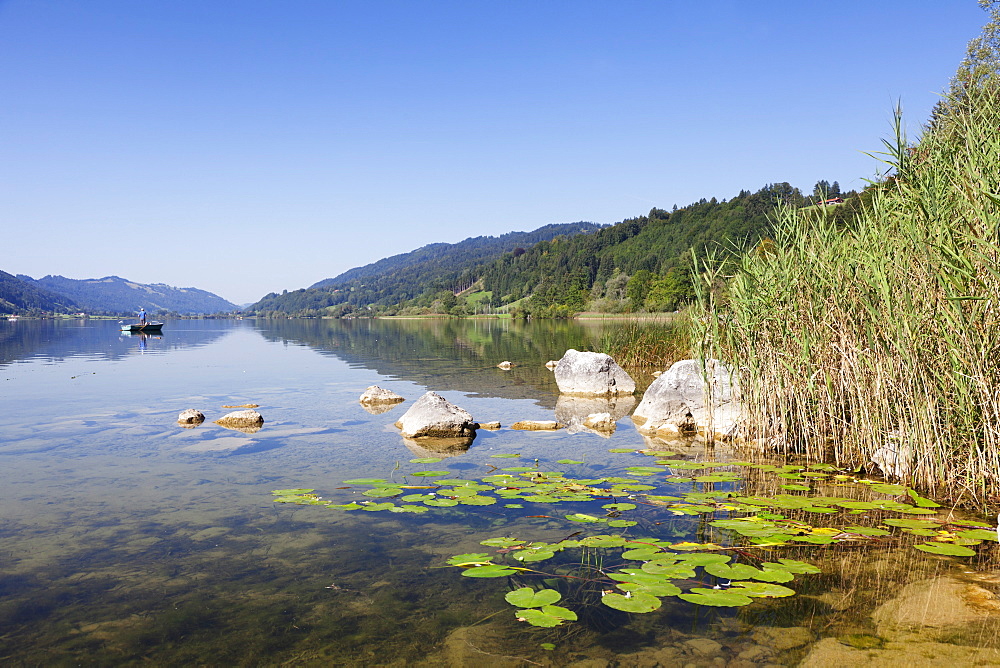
column 639, row 264
column 18, row 296
column 465, row 253
column 114, row 295
column 418, row 275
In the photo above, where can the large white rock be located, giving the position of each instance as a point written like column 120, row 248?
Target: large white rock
column 377, row 395
column 433, row 415
column 683, row 400
column 592, row 374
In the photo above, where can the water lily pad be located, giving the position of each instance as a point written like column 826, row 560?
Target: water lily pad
column 619, row 506
column 383, row 492
column 518, row 469
column 621, row 524
column 477, row 500
column 602, row 541
column 651, row 588
column 546, row 617
column 907, row 523
column 703, row 558
column 429, row 474
column 732, row 571
column 761, row 589
column 533, row 555
column 885, row 488
column 426, row 460
column 291, row 492
column 441, row 503
column 634, row 602
column 375, row 507
column 620, row 450
column 795, row 488
column 506, row 456
column 345, row 506
column 582, row 517
column 479, row 558
column 526, row 597
column 949, row 549
column 716, row 597
column 978, row 534
column 921, row 501
column 642, row 553
column 568, row 461
column 791, row 566
column 644, row 470
column 490, row 571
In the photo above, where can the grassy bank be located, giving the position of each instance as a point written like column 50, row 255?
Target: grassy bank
column 881, row 340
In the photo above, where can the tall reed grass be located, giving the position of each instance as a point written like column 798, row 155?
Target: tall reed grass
column 639, row 344
column 880, row 340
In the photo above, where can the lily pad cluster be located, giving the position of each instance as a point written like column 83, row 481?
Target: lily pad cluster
column 726, row 571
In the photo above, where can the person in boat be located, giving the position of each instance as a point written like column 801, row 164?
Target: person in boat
column 142, row 316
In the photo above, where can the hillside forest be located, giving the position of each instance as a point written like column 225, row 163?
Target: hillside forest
column 641, row 264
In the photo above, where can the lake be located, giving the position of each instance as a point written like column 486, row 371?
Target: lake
column 129, row 539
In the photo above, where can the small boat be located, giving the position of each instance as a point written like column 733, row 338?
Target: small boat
column 152, row 326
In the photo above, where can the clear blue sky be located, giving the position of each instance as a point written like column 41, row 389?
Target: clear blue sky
column 251, row 146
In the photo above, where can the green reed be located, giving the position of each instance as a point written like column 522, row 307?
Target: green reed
column 883, row 335
column 640, row 344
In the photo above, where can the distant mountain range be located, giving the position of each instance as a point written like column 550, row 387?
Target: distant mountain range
column 109, row 295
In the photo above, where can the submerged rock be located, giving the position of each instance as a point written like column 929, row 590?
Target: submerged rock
column 191, row 416
column 491, row 426
column 602, row 422
column 683, row 401
column 591, row 373
column 377, row 395
column 434, row 416
column 537, row 425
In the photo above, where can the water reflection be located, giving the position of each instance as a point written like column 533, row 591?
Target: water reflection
column 58, row 340
column 448, row 354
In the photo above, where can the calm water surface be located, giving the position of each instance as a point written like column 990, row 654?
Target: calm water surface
column 127, row 539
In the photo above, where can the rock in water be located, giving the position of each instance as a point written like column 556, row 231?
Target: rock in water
column 682, row 400
column 592, row 374
column 433, row 415
column 378, row 395
column 236, row 419
column 191, row 416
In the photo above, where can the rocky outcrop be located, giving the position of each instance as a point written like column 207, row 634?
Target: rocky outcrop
column 377, row 395
column 434, row 416
column 683, row 400
column 593, row 374
column 191, row 416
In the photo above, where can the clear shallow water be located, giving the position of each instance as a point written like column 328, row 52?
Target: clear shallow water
column 127, row 539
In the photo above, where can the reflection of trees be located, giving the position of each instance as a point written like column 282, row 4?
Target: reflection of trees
column 447, row 354
column 60, row 339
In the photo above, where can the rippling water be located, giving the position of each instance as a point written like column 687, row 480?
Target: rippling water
column 128, row 539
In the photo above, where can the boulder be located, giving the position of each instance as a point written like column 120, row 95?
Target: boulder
column 248, row 421
column 590, row 373
column 433, row 415
column 491, row 426
column 191, row 416
column 682, row 401
column 378, row 395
